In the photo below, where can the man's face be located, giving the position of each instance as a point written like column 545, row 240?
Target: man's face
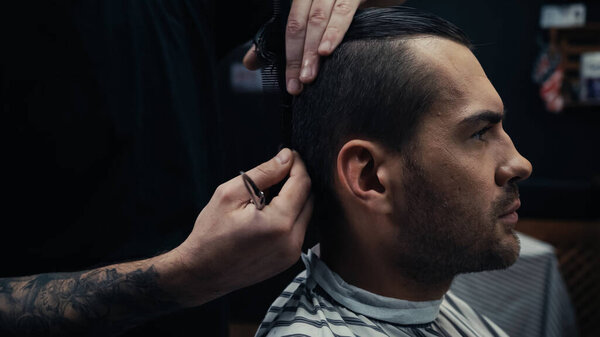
column 457, row 193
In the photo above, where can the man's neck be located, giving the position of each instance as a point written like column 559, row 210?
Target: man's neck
column 370, row 269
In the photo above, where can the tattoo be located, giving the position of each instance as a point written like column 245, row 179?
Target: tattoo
column 98, row 302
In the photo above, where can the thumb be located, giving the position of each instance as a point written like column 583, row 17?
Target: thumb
column 273, row 171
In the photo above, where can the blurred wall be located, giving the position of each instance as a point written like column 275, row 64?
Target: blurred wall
column 563, row 148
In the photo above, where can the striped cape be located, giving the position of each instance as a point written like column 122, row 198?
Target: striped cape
column 318, row 303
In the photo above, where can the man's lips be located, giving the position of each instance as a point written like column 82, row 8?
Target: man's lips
column 510, row 215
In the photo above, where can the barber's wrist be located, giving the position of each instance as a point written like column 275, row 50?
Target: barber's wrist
column 189, row 284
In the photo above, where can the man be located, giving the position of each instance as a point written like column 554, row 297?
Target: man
column 414, row 181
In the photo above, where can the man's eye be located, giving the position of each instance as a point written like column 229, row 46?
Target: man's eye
column 479, row 134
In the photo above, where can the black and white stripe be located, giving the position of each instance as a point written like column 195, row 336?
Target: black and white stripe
column 302, row 311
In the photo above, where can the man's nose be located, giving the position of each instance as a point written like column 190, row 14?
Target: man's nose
column 514, row 168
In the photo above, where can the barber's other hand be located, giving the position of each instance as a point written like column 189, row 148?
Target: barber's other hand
column 233, row 244
column 314, row 28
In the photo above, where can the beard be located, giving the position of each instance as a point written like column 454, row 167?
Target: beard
column 445, row 235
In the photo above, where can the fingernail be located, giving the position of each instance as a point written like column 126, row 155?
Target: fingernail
column 293, row 85
column 284, row 156
column 306, row 71
column 325, row 46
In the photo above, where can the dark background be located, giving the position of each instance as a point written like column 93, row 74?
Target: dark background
column 563, row 148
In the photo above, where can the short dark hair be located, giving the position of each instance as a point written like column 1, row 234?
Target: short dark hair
column 371, row 87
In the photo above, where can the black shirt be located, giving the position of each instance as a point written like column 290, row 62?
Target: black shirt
column 109, row 128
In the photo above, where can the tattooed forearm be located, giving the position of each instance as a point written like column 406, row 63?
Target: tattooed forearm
column 98, row 302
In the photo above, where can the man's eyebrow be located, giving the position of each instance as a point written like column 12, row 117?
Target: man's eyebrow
column 490, row 116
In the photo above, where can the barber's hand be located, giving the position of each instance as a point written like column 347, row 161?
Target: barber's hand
column 233, row 244
column 314, row 28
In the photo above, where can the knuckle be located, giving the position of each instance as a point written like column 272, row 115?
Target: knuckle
column 262, row 171
column 224, row 192
column 311, row 54
column 318, row 17
column 293, row 65
column 295, row 27
column 343, row 7
column 219, row 191
column 332, row 31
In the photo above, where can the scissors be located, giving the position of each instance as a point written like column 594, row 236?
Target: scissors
column 257, row 197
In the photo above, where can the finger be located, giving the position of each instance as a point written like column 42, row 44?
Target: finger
column 341, row 17
column 295, row 34
column 265, row 175
column 296, row 189
column 250, row 60
column 273, row 171
column 318, row 19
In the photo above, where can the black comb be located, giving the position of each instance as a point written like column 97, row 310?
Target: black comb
column 270, row 50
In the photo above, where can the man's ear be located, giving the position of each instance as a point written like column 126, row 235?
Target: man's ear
column 363, row 174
